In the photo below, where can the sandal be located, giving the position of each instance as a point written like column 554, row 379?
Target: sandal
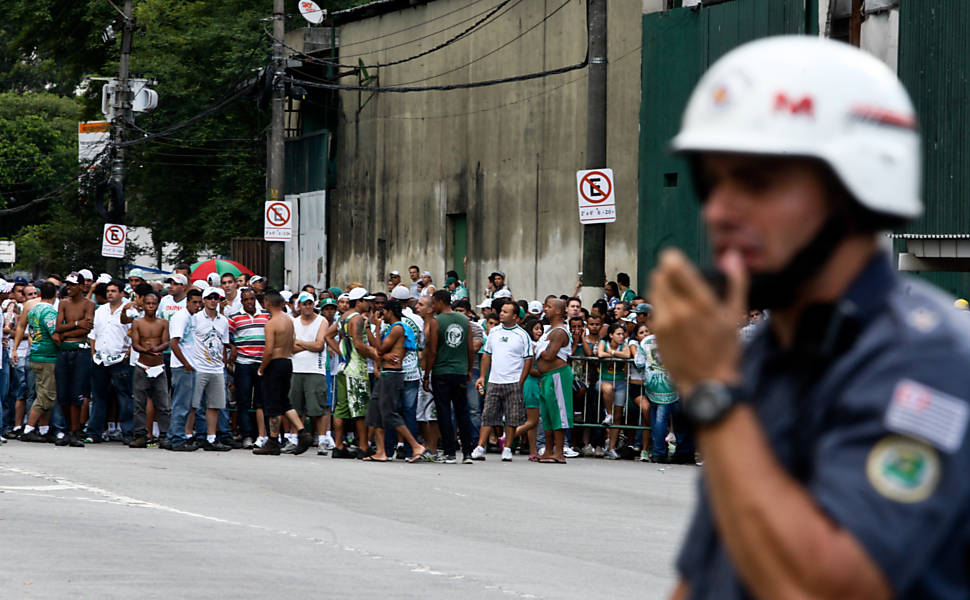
column 533, row 458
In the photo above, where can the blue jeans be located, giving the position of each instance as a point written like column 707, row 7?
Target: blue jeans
column 474, row 402
column 662, row 417
column 117, row 376
column 4, row 386
column 183, row 382
column 249, row 393
column 408, row 407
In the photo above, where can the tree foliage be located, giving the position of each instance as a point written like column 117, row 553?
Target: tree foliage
column 198, row 187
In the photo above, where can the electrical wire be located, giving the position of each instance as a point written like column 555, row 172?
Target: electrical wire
column 464, row 33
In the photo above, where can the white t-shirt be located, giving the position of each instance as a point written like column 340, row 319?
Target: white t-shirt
column 211, row 338
column 306, row 361
column 183, row 327
column 168, row 306
column 508, row 348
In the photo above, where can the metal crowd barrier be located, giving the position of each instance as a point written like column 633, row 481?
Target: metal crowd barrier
column 589, row 409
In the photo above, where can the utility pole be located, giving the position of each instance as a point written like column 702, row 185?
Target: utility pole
column 120, row 119
column 594, row 236
column 275, row 174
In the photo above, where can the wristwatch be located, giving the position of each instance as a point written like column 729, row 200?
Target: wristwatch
column 710, row 402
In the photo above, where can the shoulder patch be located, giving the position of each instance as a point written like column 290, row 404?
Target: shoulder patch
column 931, row 415
column 903, row 469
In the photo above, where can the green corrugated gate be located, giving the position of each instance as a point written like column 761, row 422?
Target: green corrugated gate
column 933, row 65
column 308, row 168
column 678, row 46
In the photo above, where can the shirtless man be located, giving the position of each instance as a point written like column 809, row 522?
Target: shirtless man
column 382, row 412
column 276, row 371
column 72, row 372
column 556, row 385
column 149, row 337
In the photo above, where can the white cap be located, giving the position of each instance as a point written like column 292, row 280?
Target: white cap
column 73, row 278
column 286, row 294
column 213, row 290
column 87, row 275
column 502, row 293
column 305, row 297
column 344, row 296
column 213, row 279
column 136, row 272
column 356, row 293
column 103, row 278
column 255, row 278
column 486, row 303
column 425, row 273
column 535, row 307
column 398, row 273
column 178, row 278
column 400, row 293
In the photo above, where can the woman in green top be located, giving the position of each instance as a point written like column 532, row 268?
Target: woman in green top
column 531, row 393
column 612, row 384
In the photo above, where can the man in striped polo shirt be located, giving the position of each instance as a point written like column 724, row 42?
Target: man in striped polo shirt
column 247, row 339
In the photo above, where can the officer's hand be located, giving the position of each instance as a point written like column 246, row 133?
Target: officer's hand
column 696, row 332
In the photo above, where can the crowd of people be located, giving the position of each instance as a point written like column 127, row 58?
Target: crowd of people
column 410, row 373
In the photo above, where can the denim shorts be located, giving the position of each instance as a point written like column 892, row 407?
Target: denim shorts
column 619, row 391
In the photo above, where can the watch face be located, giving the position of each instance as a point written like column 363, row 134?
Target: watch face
column 708, row 403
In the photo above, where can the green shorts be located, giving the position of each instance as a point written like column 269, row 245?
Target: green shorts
column 556, row 410
column 353, row 396
column 531, row 392
column 308, row 394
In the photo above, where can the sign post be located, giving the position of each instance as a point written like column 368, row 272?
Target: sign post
column 113, row 241
column 278, row 221
column 597, row 204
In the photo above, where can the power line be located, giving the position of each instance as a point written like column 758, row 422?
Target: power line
column 465, row 32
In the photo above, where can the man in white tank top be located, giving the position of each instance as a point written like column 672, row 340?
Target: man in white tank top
column 308, row 387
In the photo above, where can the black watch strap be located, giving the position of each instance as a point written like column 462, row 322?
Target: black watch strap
column 710, row 402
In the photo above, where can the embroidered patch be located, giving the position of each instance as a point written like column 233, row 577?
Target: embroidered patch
column 903, row 469
column 928, row 414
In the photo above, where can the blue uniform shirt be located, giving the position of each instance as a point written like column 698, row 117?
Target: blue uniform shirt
column 868, row 410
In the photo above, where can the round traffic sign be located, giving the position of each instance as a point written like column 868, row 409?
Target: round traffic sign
column 277, row 214
column 603, row 190
column 114, row 235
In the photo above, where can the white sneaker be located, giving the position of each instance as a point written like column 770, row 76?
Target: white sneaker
column 479, row 453
column 568, row 452
column 608, row 420
column 506, row 454
column 588, row 450
column 611, row 455
column 598, row 452
column 322, row 449
column 328, row 443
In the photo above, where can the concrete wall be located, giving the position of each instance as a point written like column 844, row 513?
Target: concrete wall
column 505, row 155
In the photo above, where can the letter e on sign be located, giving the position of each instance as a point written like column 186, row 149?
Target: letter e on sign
column 597, row 203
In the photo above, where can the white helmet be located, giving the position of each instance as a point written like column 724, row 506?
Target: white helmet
column 812, row 97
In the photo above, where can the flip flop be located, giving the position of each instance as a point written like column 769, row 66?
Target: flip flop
column 372, row 459
column 533, row 458
column 552, row 461
column 425, row 456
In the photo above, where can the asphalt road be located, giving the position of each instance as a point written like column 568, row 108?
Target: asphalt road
column 111, row 522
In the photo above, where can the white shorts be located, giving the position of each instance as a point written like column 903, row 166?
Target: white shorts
column 426, row 410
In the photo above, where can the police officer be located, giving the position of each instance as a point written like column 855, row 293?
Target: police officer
column 835, row 443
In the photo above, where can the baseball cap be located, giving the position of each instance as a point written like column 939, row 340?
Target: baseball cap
column 502, row 293
column 425, row 273
column 328, row 302
column 494, row 273
column 20, row 281
column 357, row 293
column 178, row 278
column 486, row 303
column 344, row 296
column 136, row 272
column 305, row 297
column 630, row 318
column 396, row 273
column 450, row 281
column 87, row 275
column 287, row 294
column 73, row 278
column 213, row 279
column 535, row 307
column 400, row 293
column 103, row 278
column 336, row 291
column 200, row 284
column 213, row 290
column 256, row 278
column 643, row 309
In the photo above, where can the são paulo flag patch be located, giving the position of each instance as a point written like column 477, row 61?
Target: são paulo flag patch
column 928, row 414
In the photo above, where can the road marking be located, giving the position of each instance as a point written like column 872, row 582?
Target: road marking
column 109, row 497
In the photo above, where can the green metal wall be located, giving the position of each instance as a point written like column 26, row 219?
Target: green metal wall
column 307, row 165
column 933, row 65
column 678, row 46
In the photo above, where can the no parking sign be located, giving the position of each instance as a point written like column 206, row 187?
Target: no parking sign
column 278, row 221
column 597, row 204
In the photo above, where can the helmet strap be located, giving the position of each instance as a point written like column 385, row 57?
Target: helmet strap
column 781, row 288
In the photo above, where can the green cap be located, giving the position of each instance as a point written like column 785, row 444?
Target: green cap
column 336, row 291
column 450, row 281
column 327, row 302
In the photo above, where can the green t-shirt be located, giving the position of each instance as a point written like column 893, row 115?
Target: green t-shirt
column 609, row 370
column 452, row 357
column 627, row 296
column 42, row 319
